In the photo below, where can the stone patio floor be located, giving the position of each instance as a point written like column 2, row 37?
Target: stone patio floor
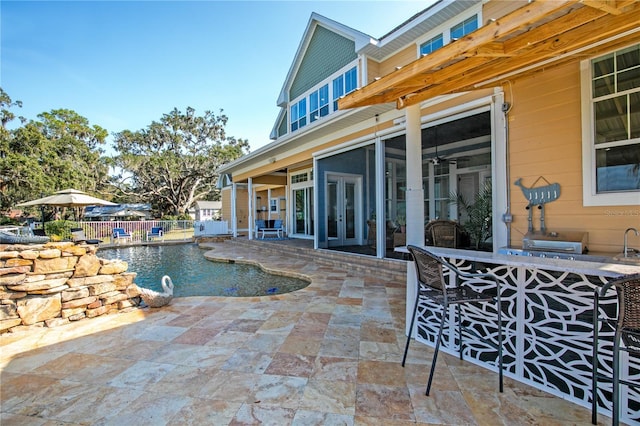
column 325, row 355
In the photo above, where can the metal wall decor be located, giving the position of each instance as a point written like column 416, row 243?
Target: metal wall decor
column 539, row 196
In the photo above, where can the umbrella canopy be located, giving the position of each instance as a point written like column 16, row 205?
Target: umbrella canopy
column 68, row 198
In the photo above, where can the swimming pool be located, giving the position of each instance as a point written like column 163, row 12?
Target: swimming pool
column 193, row 275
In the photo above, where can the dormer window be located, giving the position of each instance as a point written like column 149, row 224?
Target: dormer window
column 464, row 27
column 449, row 31
column 432, row 45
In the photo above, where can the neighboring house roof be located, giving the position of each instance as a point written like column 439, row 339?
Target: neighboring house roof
column 120, row 210
column 214, row 205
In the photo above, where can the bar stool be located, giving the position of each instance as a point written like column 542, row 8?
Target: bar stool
column 626, row 327
column 431, row 285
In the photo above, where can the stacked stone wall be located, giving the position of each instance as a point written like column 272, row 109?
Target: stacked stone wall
column 55, row 283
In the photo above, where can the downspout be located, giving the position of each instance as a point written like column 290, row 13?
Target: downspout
column 507, row 218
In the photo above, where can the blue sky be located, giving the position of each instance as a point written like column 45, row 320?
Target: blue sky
column 124, row 64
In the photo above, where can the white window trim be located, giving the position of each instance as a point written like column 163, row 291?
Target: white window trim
column 589, row 195
column 445, row 28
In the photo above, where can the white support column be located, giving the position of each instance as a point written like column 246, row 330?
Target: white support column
column 415, row 193
column 251, row 208
column 381, row 245
column 269, row 203
column 234, row 214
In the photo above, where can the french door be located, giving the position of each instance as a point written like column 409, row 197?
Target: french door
column 303, row 221
column 344, row 210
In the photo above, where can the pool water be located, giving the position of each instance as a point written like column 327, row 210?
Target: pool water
column 193, row 275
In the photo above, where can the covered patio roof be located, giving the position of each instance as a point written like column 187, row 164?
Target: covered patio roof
column 536, row 36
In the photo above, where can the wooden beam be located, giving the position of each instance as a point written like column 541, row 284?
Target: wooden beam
column 518, row 20
column 605, row 6
column 578, row 38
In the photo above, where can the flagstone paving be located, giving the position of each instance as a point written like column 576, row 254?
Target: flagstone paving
column 325, row 355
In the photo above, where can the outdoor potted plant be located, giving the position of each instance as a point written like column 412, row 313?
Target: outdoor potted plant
column 479, row 221
column 402, row 222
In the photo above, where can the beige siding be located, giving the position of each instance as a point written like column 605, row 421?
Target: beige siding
column 225, row 196
column 400, row 59
column 496, row 9
column 545, row 140
column 373, row 70
column 241, row 207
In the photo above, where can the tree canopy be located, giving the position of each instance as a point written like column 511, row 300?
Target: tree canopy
column 173, row 162
column 59, row 150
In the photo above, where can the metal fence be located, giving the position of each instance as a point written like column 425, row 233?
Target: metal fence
column 139, row 230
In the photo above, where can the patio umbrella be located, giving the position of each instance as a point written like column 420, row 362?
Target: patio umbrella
column 68, row 198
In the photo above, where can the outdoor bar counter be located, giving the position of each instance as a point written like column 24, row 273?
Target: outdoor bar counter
column 547, row 308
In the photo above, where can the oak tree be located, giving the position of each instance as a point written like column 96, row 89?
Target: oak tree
column 173, row 162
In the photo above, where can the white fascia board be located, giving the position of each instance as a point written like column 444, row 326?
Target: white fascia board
column 274, row 130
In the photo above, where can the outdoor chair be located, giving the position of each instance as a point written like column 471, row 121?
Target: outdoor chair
column 119, row 234
column 625, row 326
column 443, row 233
column 275, row 228
column 260, row 225
column 389, row 235
column 156, row 232
column 78, row 236
column 432, row 286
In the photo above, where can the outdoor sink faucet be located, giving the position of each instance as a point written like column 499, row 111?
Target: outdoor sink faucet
column 626, row 246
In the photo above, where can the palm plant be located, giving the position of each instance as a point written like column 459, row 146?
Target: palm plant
column 479, row 222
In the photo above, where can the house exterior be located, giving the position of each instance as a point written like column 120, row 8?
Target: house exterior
column 463, row 94
column 207, row 210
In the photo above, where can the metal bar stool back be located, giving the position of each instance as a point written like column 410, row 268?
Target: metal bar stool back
column 626, row 327
column 431, row 285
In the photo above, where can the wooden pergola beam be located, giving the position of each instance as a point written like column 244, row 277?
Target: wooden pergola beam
column 518, row 20
column 582, row 36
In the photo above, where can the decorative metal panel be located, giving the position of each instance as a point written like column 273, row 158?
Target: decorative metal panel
column 547, row 334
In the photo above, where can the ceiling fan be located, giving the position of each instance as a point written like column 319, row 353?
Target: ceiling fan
column 438, row 159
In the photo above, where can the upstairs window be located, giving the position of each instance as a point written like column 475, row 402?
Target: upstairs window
column 615, row 90
column 350, row 80
column 464, row 27
column 344, row 84
column 338, row 90
column 318, row 99
column 319, row 103
column 299, row 114
column 432, row 45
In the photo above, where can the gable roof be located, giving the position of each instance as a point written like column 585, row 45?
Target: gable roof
column 359, row 38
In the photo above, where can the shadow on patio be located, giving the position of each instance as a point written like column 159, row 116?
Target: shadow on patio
column 327, row 354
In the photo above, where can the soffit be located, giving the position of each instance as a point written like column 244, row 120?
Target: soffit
column 523, row 41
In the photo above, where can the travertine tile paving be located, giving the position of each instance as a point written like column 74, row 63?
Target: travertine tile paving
column 325, row 355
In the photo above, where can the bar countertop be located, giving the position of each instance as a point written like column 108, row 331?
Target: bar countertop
column 604, row 266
